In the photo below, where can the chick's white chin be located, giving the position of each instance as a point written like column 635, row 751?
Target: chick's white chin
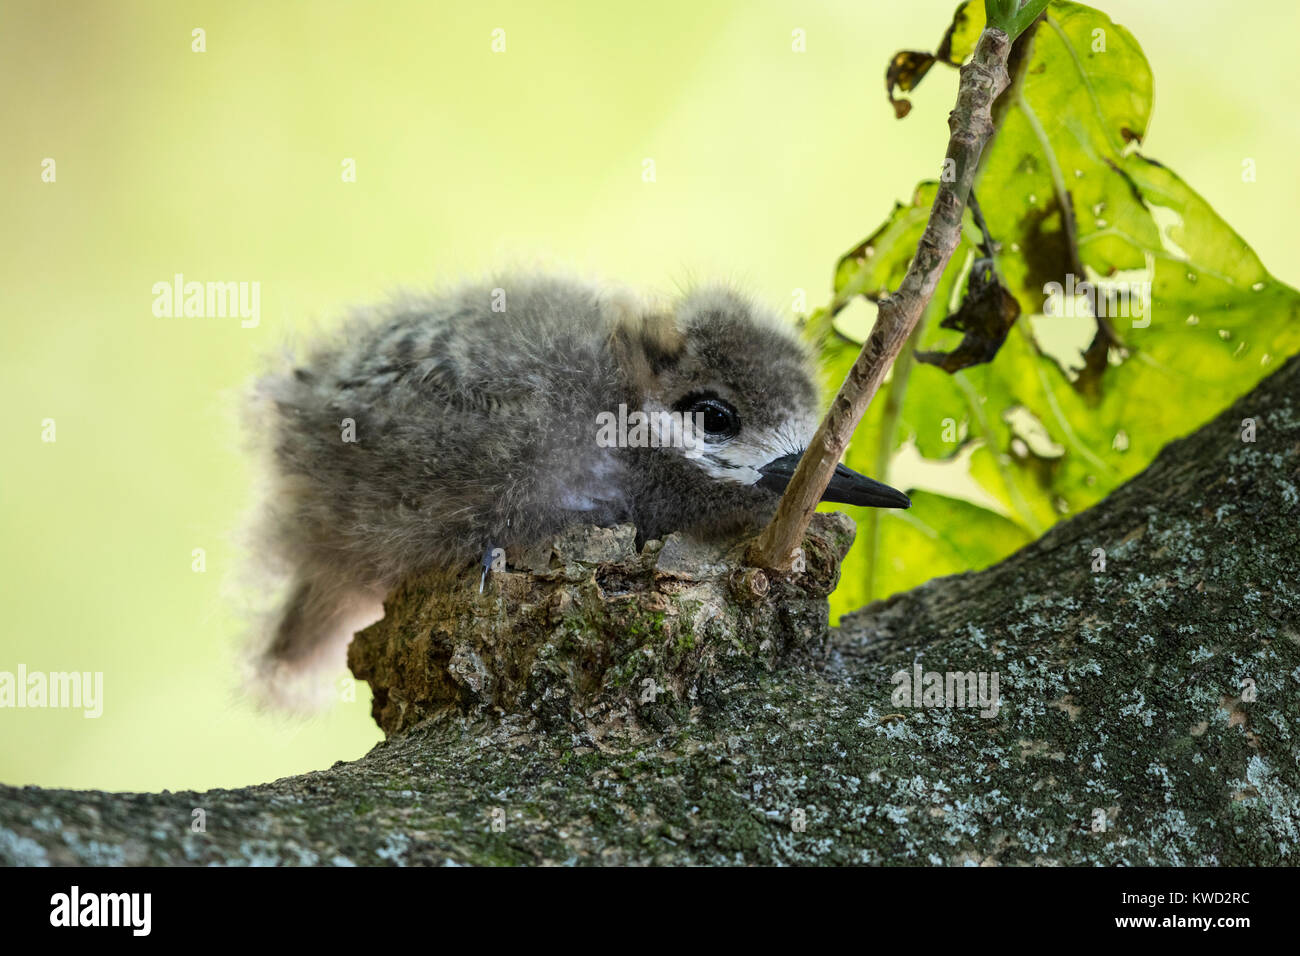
column 739, row 459
column 734, row 464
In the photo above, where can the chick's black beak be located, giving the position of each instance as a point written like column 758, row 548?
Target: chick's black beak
column 847, row 487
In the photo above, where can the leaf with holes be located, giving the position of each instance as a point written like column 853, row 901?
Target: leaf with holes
column 1141, row 314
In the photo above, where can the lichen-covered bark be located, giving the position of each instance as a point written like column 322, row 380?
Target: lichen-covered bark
column 595, row 637
column 1146, row 714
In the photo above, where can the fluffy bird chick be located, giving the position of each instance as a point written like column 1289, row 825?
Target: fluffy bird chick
column 446, row 427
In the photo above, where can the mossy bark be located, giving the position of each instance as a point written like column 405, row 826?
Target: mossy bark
column 1147, row 713
column 594, row 637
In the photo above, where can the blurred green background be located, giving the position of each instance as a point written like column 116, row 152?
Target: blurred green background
column 226, row 166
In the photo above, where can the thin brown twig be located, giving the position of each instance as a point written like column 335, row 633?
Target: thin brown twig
column 971, row 124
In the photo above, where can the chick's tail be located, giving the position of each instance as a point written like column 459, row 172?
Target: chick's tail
column 304, row 641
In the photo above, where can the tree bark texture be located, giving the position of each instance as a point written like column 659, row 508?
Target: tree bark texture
column 1147, row 713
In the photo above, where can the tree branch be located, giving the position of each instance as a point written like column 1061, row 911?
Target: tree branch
column 971, row 123
column 1147, row 657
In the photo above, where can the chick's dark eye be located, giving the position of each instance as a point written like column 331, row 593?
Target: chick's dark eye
column 720, row 419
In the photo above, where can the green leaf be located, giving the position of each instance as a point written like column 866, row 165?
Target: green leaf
column 947, row 534
column 1013, row 16
column 1083, row 392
